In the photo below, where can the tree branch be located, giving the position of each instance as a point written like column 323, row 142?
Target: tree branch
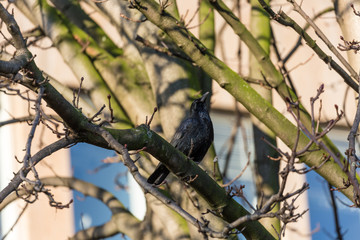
column 285, row 20
column 237, row 87
column 46, row 151
column 323, row 37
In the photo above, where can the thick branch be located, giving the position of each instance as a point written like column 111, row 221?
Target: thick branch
column 122, row 221
column 22, row 55
column 238, row 88
column 285, row 20
column 323, row 37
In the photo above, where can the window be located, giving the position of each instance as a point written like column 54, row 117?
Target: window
column 87, row 166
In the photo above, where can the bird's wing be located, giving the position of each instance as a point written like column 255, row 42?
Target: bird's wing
column 186, row 128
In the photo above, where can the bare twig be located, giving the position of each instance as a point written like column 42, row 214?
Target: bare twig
column 17, row 220
column 239, row 175
column 323, row 37
column 286, row 213
column 17, row 120
column 357, row 13
column 27, row 161
column 76, row 98
column 282, row 61
column 132, row 20
column 285, row 20
column 92, row 119
column 111, row 109
column 336, row 215
column 230, row 143
column 202, row 21
column 161, row 49
column 298, row 43
column 351, row 152
column 46, row 151
column 315, row 138
column 349, row 45
column 151, row 118
column 280, row 214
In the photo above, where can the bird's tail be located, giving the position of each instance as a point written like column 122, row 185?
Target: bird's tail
column 158, row 175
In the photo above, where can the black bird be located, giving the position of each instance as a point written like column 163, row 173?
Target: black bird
column 193, row 138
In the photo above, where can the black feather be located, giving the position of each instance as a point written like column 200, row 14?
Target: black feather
column 193, row 138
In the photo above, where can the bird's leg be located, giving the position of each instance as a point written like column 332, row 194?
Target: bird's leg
column 159, row 185
column 193, row 178
column 189, row 179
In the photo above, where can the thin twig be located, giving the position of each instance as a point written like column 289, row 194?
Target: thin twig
column 230, row 143
column 336, row 214
column 17, row 220
column 323, row 37
column 285, row 20
column 46, row 151
column 239, row 175
column 353, row 161
column 298, row 43
column 27, row 161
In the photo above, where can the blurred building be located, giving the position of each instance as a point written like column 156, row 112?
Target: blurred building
column 40, row 221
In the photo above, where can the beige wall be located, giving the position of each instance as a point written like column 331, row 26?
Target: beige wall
column 40, row 221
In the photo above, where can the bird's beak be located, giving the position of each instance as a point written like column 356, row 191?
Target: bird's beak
column 203, row 98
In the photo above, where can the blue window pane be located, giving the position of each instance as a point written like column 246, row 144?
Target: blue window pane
column 321, row 212
column 87, row 165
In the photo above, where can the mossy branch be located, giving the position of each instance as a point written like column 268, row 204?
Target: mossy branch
column 241, row 91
